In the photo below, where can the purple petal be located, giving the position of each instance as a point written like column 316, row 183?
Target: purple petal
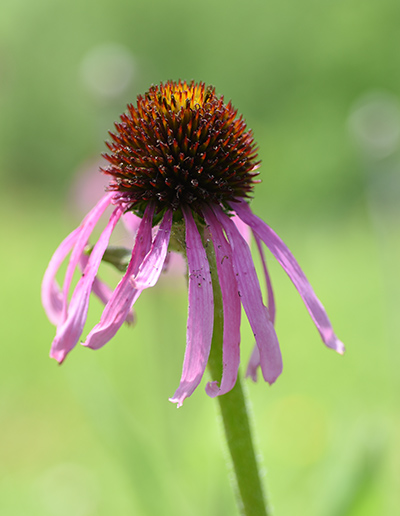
column 131, row 222
column 254, row 361
column 124, row 295
column 101, row 289
column 231, row 307
column 152, row 266
column 254, row 364
column 270, row 292
column 250, row 293
column 293, row 270
column 201, row 313
column 69, row 332
column 175, row 264
column 52, row 298
column 85, row 231
column 243, row 228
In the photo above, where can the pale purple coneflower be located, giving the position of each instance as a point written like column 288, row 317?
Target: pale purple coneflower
column 181, row 158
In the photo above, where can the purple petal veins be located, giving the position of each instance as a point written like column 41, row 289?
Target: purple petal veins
column 71, row 329
column 124, row 295
column 293, row 270
column 250, row 293
column 200, row 314
column 231, row 307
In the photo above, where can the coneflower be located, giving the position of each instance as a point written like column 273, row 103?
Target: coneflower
column 183, row 161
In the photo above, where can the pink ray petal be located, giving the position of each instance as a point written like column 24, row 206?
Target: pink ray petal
column 131, row 222
column 254, row 364
column 270, row 292
column 85, row 231
column 231, row 307
column 254, row 361
column 124, row 295
column 152, row 265
column 293, row 270
column 200, row 315
column 101, row 290
column 250, row 292
column 52, row 298
column 69, row 332
column 243, row 228
column 175, row 264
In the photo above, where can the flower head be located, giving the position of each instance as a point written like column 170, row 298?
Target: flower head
column 181, row 156
column 181, row 146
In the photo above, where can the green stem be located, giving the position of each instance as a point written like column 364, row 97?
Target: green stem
column 235, row 417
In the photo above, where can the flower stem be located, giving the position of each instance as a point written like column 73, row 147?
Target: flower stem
column 235, row 417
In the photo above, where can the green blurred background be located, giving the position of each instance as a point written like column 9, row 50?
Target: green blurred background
column 319, row 83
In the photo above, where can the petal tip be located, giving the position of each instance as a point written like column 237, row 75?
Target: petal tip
column 90, row 343
column 252, row 375
column 271, row 378
column 58, row 355
column 178, row 401
column 212, row 389
column 334, row 343
column 340, row 348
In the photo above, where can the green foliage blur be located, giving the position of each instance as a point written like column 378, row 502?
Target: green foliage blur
column 98, row 436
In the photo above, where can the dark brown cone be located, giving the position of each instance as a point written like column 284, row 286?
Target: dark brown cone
column 181, row 145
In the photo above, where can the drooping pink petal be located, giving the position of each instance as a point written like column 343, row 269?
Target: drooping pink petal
column 254, row 361
column 250, row 293
column 270, row 292
column 70, row 330
column 52, row 298
column 231, row 307
column 101, row 289
column 175, row 264
column 254, row 364
column 200, row 314
column 85, row 231
column 293, row 270
column 131, row 222
column 124, row 295
column 243, row 228
column 152, row 265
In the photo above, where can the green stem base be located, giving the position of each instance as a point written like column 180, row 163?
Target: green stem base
column 250, row 494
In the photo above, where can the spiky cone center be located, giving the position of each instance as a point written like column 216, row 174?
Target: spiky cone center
column 181, row 145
